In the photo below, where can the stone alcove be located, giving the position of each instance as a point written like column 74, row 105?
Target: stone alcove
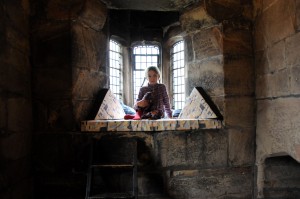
column 188, row 164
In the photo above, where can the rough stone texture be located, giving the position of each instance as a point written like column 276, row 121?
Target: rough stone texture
column 277, row 86
column 238, row 75
column 241, row 111
column 207, row 74
column 282, row 178
column 208, row 43
column 269, row 29
column 191, row 150
column 15, row 101
column 196, row 19
column 278, row 127
column 94, row 14
column 241, row 146
column 63, row 10
column 237, row 37
column 212, row 183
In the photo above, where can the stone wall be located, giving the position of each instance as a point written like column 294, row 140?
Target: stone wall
column 277, row 82
column 69, row 43
column 15, row 101
column 219, row 58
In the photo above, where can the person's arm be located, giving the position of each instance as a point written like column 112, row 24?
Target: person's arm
column 140, row 102
column 166, row 102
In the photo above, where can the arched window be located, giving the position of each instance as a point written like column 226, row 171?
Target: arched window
column 143, row 56
column 116, row 68
column 177, row 72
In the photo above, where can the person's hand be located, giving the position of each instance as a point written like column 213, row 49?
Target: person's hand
column 143, row 103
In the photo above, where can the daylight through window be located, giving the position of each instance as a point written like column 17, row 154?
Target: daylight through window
column 115, row 68
column 143, row 56
column 177, row 68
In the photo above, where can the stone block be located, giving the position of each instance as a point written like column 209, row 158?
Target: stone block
column 241, row 148
column 94, row 14
column 265, row 86
column 297, row 16
column 261, row 63
column 282, row 83
column 63, row 10
column 213, row 183
column 82, row 110
column 292, row 49
column 19, row 115
column 208, row 43
column 195, row 19
column 276, row 57
column 295, row 80
column 87, row 83
column 272, row 28
column 3, row 115
column 189, row 52
column 277, row 127
column 52, row 82
column 89, row 49
column 191, row 149
column 238, row 76
column 239, row 111
column 260, row 40
column 16, row 145
column 208, row 74
column 238, row 42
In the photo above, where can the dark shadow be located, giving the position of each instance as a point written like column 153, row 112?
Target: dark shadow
column 210, row 103
column 97, row 103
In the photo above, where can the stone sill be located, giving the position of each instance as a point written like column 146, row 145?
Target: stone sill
column 149, row 125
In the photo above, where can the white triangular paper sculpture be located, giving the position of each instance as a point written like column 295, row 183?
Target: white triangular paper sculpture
column 110, row 108
column 196, row 107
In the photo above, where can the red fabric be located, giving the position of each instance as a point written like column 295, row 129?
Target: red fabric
column 137, row 115
column 128, row 117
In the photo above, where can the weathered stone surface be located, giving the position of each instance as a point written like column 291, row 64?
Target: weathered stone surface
column 82, row 109
column 264, row 86
column 238, row 76
column 237, row 37
column 19, row 117
column 282, row 83
column 292, row 49
column 276, row 56
column 94, row 14
column 207, row 74
column 216, row 183
column 191, row 149
column 270, row 29
column 195, row 19
column 282, row 177
column 261, row 63
column 53, row 83
column 189, row 52
column 63, row 10
column 239, row 111
column 298, row 15
column 295, row 80
column 241, row 148
column 208, row 43
column 15, row 145
column 83, row 87
column 89, row 48
column 277, row 127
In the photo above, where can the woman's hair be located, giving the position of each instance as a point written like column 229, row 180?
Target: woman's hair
column 154, row 68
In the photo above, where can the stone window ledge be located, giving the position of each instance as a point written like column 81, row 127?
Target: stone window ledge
column 149, row 125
